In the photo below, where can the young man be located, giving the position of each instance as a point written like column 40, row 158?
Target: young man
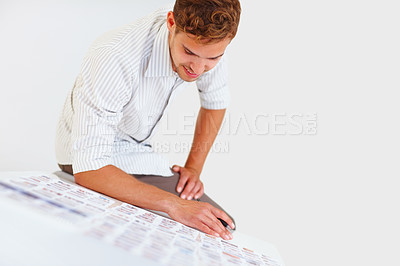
column 125, row 85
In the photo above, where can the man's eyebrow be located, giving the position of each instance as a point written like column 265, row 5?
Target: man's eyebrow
column 187, row 49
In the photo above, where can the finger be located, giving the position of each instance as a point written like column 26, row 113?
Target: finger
column 181, row 184
column 176, row 168
column 218, row 226
column 212, row 222
column 188, row 188
column 221, row 214
column 195, row 189
column 200, row 192
column 204, row 228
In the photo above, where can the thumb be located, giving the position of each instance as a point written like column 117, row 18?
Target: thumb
column 176, row 168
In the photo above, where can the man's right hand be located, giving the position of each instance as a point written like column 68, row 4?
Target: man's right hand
column 202, row 216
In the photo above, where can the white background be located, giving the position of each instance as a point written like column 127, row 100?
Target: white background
column 330, row 198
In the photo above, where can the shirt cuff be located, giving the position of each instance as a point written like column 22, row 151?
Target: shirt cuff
column 91, row 159
column 218, row 99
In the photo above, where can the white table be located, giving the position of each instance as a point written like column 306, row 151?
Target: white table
column 28, row 237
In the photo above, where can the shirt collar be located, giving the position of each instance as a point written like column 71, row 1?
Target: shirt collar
column 160, row 60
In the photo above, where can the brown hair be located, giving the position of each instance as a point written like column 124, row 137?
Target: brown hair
column 211, row 20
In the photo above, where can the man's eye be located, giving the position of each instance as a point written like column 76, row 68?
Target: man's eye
column 188, row 52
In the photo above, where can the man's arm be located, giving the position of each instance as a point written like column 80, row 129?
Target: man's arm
column 115, row 183
column 207, row 127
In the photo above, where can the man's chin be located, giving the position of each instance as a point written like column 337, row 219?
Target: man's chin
column 184, row 77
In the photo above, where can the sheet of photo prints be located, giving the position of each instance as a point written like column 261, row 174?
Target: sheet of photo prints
column 125, row 226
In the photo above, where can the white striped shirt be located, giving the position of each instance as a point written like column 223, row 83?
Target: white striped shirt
column 123, row 89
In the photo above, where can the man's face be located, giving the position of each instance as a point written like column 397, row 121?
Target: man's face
column 191, row 58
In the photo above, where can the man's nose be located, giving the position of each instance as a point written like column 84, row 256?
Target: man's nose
column 198, row 66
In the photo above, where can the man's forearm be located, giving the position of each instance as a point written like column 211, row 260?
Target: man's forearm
column 115, row 183
column 207, row 126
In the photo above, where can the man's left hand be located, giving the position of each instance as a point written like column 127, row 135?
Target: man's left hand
column 189, row 182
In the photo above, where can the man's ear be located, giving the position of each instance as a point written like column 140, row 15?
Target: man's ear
column 171, row 21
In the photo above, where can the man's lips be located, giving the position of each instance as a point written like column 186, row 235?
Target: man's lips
column 192, row 75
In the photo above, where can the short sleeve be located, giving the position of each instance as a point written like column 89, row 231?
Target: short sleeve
column 99, row 95
column 213, row 87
